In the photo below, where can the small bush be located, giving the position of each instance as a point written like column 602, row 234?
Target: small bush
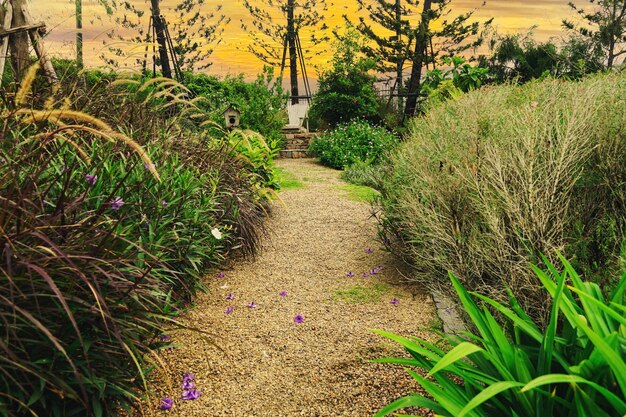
column 485, row 183
column 366, row 174
column 575, row 367
column 346, row 91
column 353, row 142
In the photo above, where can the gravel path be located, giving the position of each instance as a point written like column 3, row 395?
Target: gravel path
column 259, row 362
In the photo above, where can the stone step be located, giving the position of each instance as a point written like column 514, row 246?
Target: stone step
column 294, row 153
column 297, row 144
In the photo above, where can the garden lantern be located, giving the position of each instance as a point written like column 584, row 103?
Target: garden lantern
column 231, row 116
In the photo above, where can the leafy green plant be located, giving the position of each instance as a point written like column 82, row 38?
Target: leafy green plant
column 574, row 367
column 105, row 239
column 352, row 142
column 257, row 154
column 346, row 91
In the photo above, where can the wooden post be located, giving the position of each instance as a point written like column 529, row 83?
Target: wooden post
column 79, row 33
column 37, row 42
column 19, row 41
column 293, row 59
column 419, row 57
column 4, row 41
column 159, row 27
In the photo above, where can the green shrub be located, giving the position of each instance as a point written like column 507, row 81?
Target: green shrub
column 261, row 102
column 105, row 240
column 486, row 182
column 352, row 142
column 575, row 367
column 365, row 173
column 346, row 91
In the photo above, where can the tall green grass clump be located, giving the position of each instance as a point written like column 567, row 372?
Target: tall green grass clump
column 106, row 233
column 575, row 367
column 486, row 182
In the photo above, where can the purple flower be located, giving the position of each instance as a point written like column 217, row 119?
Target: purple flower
column 116, row 203
column 374, row 271
column 191, row 394
column 252, row 305
column 150, row 166
column 166, row 403
column 379, row 267
column 298, row 319
column 165, row 338
column 230, row 297
column 188, row 377
column 369, row 250
column 220, row 275
column 365, row 275
column 283, row 293
column 163, row 203
column 350, row 274
column 229, row 310
column 394, row 301
column 91, row 179
column 188, row 384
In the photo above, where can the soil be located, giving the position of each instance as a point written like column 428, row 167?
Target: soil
column 258, row 361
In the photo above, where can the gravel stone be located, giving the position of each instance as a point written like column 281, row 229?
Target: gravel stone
column 258, row 362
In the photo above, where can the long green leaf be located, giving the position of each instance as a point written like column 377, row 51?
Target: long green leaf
column 456, row 354
column 488, row 393
column 413, row 400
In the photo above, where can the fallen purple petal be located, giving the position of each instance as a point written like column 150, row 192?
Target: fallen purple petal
column 163, row 203
column 188, row 384
column 191, row 394
column 230, row 297
column 229, row 310
column 252, row 305
column 394, row 301
column 91, row 179
column 374, row 271
column 165, row 338
column 283, row 293
column 116, row 203
column 188, row 377
column 220, row 275
column 365, row 274
column 350, row 274
column 166, row 403
column 298, row 319
column 369, row 250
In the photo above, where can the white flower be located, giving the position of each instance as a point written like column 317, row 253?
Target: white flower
column 216, row 233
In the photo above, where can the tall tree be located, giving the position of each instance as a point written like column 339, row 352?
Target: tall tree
column 424, row 33
column 604, row 27
column 192, row 29
column 275, row 28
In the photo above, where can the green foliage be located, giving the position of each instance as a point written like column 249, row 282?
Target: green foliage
column 365, row 173
column 440, row 85
column 485, row 183
column 574, row 367
column 352, row 142
column 521, row 58
column 258, row 155
column 260, row 102
column 346, row 91
column 105, row 241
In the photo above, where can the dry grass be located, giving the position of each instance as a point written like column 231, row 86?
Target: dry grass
column 487, row 183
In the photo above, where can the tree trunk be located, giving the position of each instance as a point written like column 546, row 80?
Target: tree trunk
column 399, row 58
column 79, row 33
column 159, row 28
column 293, row 57
column 18, row 42
column 421, row 45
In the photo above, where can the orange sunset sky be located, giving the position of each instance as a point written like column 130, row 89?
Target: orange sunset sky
column 230, row 55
